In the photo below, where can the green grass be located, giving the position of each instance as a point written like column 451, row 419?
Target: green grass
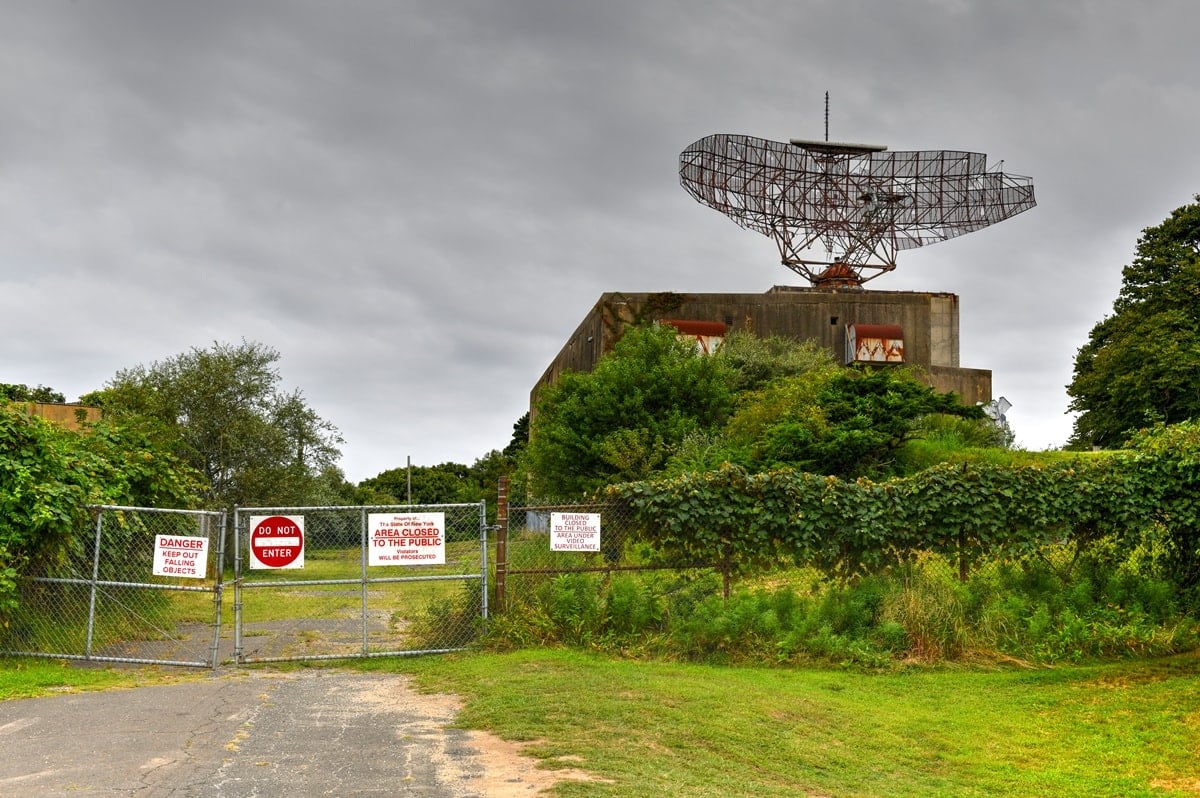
column 653, row 729
column 921, row 453
column 31, row 678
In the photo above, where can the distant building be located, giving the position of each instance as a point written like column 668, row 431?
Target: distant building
column 70, row 416
column 909, row 327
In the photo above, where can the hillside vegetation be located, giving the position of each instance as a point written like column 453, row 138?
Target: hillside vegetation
column 847, row 515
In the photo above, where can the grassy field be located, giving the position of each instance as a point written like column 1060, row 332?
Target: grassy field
column 654, row 729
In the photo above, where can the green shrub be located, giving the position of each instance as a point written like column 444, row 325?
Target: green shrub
column 1032, row 609
column 928, row 607
column 630, row 607
column 450, row 622
column 573, row 606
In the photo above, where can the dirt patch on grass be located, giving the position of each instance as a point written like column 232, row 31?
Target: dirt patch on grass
column 492, row 767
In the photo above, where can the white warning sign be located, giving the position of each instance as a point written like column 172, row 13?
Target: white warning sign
column 406, row 539
column 180, row 556
column 575, row 531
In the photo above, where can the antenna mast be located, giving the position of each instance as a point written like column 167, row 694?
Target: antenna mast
column 827, row 116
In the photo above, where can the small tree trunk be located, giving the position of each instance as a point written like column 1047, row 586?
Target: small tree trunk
column 964, row 566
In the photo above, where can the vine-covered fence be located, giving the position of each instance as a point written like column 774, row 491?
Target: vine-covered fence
column 966, row 515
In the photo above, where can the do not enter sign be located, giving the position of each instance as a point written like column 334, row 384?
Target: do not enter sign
column 276, row 541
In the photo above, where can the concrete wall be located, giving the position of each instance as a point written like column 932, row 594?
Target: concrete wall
column 67, row 415
column 973, row 385
column 930, row 323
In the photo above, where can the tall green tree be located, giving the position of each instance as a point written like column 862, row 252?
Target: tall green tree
column 846, row 422
column 756, row 362
column 19, row 392
column 222, row 411
column 445, row 483
column 520, row 439
column 1141, row 365
column 622, row 420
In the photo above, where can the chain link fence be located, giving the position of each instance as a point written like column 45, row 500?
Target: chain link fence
column 141, row 586
column 149, row 586
column 335, row 582
column 535, row 545
column 582, row 572
column 545, row 549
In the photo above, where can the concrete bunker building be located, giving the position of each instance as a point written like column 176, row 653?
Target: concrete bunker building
column 857, row 326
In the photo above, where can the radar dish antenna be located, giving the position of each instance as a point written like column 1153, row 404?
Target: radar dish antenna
column 860, row 203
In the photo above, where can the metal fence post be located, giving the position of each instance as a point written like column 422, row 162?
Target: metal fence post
column 501, row 541
column 483, row 560
column 218, row 588
column 237, row 588
column 363, row 558
column 91, row 623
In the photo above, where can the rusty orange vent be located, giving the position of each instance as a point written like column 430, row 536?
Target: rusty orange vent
column 874, row 343
column 697, row 327
column 707, row 334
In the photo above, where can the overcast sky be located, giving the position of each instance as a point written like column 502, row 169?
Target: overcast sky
column 415, row 203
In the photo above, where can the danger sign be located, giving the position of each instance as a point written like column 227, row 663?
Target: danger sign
column 407, row 539
column 574, row 531
column 180, row 556
column 276, row 541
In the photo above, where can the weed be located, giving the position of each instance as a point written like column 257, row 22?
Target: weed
column 1033, row 609
column 452, row 621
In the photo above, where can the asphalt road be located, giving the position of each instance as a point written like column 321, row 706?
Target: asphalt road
column 251, row 733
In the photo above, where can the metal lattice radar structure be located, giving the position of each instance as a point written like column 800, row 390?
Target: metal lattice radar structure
column 859, row 203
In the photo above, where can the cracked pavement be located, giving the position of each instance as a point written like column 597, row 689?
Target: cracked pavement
column 318, row 732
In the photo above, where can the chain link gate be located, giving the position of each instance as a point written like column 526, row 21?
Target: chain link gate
column 366, row 581
column 144, row 587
